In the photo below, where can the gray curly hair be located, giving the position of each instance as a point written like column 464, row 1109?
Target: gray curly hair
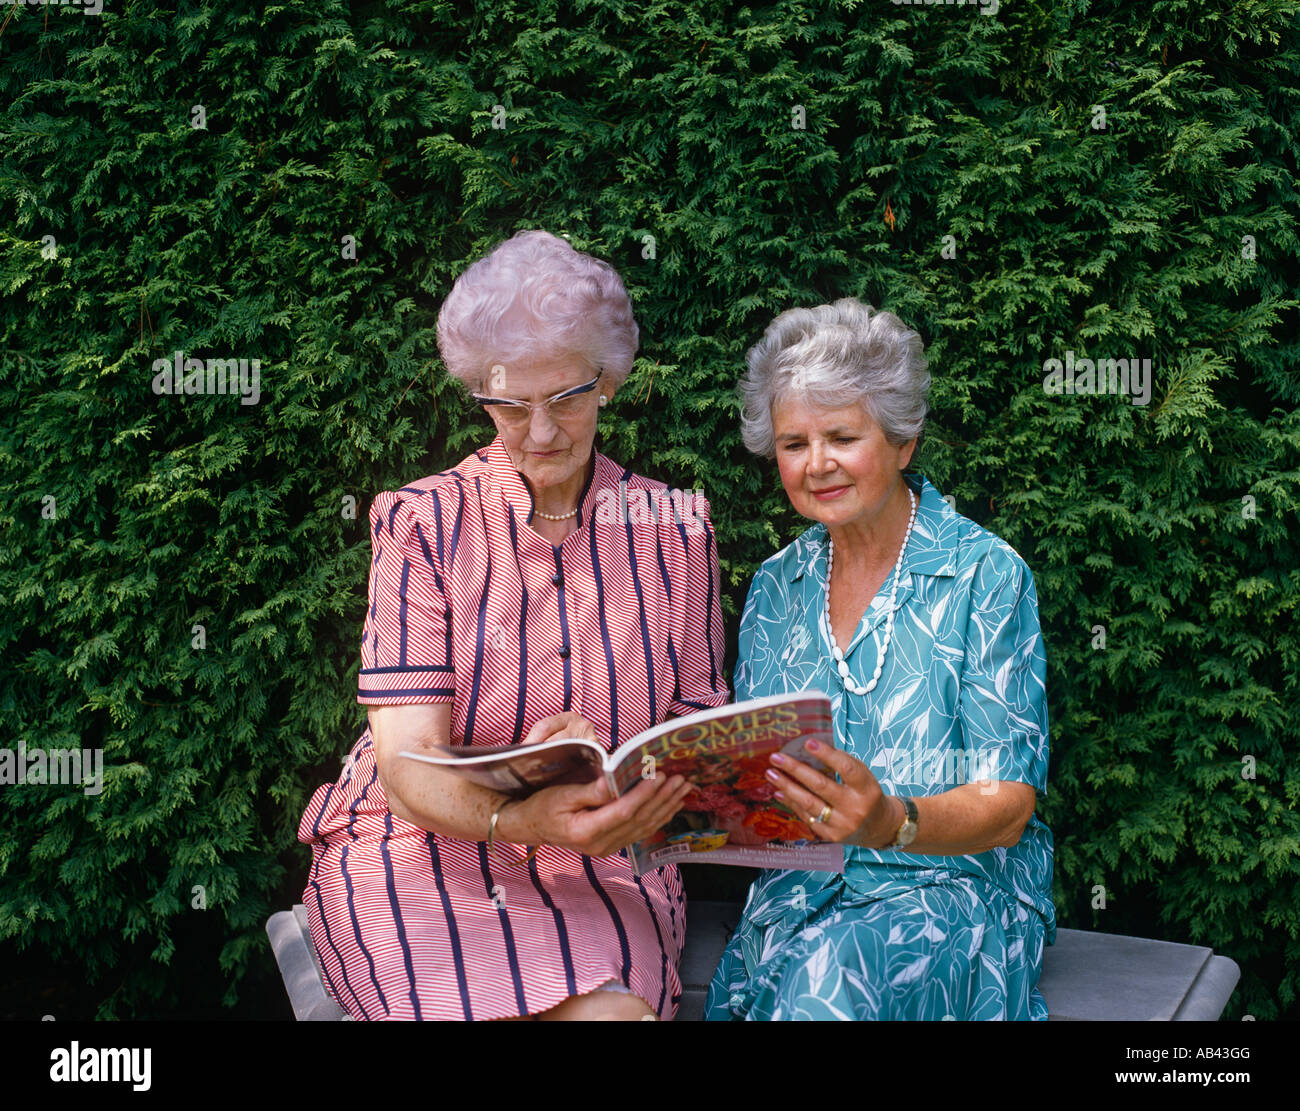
column 830, row 354
column 534, row 295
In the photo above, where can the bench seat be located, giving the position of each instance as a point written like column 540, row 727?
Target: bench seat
column 1087, row 976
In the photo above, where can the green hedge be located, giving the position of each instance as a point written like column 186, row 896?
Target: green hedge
column 622, row 121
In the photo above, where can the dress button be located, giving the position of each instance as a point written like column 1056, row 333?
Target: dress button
column 564, row 651
column 557, row 580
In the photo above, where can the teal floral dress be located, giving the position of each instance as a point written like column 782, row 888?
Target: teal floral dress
column 961, row 698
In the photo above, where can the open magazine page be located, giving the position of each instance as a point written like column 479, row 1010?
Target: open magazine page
column 731, row 817
column 519, row 770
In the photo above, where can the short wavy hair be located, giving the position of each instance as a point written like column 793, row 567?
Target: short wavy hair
column 534, row 296
column 829, row 355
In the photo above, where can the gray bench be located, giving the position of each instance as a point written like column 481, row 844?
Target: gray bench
column 1086, row 976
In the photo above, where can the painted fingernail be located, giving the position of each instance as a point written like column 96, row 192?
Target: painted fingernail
column 779, row 796
column 773, row 776
column 777, row 758
column 813, row 746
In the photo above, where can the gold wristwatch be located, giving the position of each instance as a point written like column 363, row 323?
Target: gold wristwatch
column 907, row 831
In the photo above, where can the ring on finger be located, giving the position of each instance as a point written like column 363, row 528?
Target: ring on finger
column 824, row 816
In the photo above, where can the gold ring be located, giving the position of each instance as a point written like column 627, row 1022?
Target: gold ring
column 825, row 815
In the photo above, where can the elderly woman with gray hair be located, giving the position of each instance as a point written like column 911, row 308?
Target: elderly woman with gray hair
column 537, row 589
column 923, row 628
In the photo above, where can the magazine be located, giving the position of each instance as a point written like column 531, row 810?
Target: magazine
column 729, row 818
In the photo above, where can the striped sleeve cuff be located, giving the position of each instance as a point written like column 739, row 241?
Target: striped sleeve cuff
column 393, row 686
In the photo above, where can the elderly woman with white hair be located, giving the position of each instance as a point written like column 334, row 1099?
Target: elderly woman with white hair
column 923, row 628
column 537, row 589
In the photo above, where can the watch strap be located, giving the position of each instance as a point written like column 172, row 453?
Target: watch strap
column 910, row 815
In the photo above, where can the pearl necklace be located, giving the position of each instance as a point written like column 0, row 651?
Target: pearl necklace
column 557, row 517
column 841, row 664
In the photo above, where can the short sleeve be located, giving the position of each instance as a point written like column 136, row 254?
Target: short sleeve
column 1003, row 700
column 406, row 645
column 751, row 632
column 701, row 654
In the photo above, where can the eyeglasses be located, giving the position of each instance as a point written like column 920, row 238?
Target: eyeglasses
column 563, row 406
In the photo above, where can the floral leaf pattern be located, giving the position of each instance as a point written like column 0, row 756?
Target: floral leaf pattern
column 961, row 697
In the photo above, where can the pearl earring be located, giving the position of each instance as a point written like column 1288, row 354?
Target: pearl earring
column 603, row 400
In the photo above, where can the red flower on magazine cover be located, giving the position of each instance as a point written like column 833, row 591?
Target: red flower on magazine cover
column 755, row 785
column 775, row 824
column 716, row 800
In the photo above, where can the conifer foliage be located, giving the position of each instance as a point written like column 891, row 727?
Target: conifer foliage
column 285, row 194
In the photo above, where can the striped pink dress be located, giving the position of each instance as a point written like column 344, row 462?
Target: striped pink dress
column 621, row 623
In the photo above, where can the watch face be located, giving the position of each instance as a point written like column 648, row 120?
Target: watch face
column 907, row 834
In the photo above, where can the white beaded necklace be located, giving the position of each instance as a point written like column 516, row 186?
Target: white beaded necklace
column 841, row 664
column 557, row 516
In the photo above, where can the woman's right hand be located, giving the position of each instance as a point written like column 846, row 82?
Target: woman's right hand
column 584, row 819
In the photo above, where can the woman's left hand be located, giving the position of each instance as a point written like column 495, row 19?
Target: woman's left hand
column 861, row 813
column 560, row 726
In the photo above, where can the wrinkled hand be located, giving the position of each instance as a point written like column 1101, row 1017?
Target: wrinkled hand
column 861, row 813
column 582, row 817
